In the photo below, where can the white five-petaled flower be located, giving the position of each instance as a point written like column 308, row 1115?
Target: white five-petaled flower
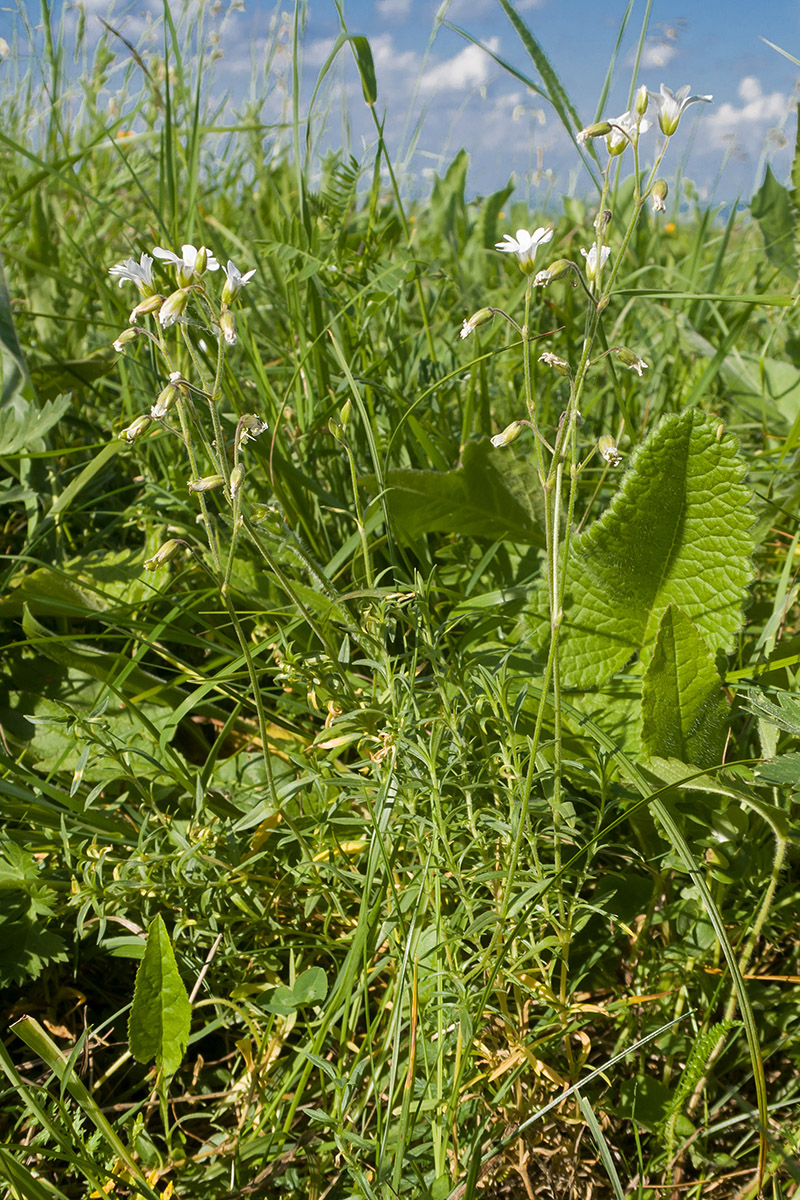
column 234, row 282
column 625, row 129
column 592, row 270
column 140, row 273
column 671, row 106
column 525, row 245
column 186, row 261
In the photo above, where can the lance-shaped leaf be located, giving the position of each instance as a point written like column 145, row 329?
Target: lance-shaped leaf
column 684, row 710
column 677, row 532
column 160, row 1017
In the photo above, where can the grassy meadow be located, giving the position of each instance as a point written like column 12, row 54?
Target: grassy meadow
column 399, row 754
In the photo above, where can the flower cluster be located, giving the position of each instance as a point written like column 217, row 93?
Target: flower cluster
column 191, row 265
column 626, row 129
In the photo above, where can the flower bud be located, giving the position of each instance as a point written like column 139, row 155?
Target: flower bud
column 509, row 434
column 136, row 428
column 629, row 359
column 227, row 323
column 166, row 397
column 237, row 479
column 641, row 102
column 481, row 317
column 336, row 429
column 148, row 305
column 601, row 129
column 163, row 554
column 608, row 450
column 557, row 270
column 173, row 307
column 659, row 195
column 201, row 261
column 344, row 413
column 127, row 336
column 552, row 360
column 207, row 484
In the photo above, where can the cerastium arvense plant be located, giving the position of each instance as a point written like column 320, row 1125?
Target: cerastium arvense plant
column 638, row 579
column 190, row 310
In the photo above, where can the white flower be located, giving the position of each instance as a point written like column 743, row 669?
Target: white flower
column 234, row 281
column 592, row 270
column 140, row 273
column 186, row 262
column 525, row 245
column 626, row 129
column 671, row 106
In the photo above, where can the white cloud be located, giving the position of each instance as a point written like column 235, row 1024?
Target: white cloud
column 468, row 69
column 393, row 10
column 657, row 52
column 747, row 120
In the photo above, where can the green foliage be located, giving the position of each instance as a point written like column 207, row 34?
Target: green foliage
column 677, row 532
column 684, row 712
column 160, row 1016
column 486, row 496
column 445, row 921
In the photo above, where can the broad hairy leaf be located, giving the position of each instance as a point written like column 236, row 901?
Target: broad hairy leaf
column 771, row 206
column 684, row 710
column 677, row 532
column 160, row 1017
column 492, row 494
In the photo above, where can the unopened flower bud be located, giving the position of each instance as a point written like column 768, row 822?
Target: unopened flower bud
column 201, row 262
column 509, row 434
column 659, row 195
column 136, row 428
column 127, row 336
column 148, row 305
column 630, row 360
column 237, row 479
column 603, row 220
column 601, row 129
column 173, row 307
column 552, row 360
column 227, row 323
column 207, row 484
column 344, row 413
column 166, row 397
column 336, row 429
column 557, row 270
column 608, row 450
column 481, row 317
column 641, row 102
column 163, row 554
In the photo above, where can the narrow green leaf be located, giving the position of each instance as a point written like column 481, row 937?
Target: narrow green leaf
column 684, row 710
column 160, row 1017
column 677, row 532
column 366, row 68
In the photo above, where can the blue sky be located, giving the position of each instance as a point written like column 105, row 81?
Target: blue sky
column 441, row 93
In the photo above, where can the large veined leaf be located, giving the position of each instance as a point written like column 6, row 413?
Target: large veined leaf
column 677, row 532
column 771, row 206
column 160, row 1017
column 684, row 710
column 492, row 494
